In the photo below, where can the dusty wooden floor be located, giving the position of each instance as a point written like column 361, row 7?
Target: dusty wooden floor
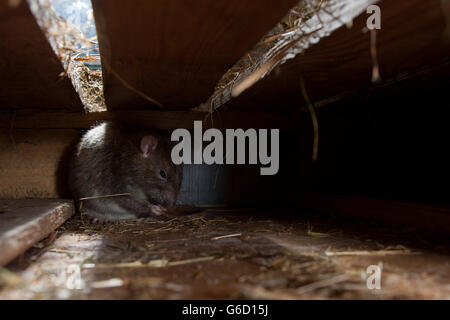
column 226, row 254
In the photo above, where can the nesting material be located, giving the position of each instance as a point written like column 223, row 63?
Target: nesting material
column 303, row 26
column 89, row 85
column 177, row 259
column 73, row 49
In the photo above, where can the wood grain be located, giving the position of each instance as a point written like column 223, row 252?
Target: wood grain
column 176, row 51
column 413, row 35
column 25, row 222
column 34, row 163
column 29, row 69
column 163, row 120
column 434, row 218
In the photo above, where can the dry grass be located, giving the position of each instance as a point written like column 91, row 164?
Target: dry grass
column 305, row 24
column 265, row 56
column 69, row 45
column 90, row 87
column 177, row 258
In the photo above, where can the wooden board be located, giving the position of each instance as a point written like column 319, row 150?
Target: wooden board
column 29, row 69
column 25, row 222
column 229, row 255
column 431, row 218
column 163, row 120
column 413, row 35
column 176, row 51
column 34, row 163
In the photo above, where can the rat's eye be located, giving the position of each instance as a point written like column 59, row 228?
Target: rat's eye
column 163, row 174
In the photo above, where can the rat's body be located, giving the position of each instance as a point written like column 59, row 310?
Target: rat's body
column 111, row 160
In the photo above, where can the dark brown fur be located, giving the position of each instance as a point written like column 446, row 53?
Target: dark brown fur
column 109, row 160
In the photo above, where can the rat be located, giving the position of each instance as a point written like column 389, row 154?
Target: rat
column 125, row 173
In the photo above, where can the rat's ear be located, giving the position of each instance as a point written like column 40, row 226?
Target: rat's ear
column 148, row 145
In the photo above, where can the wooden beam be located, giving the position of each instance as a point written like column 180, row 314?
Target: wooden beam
column 25, row 222
column 413, row 35
column 34, row 163
column 176, row 51
column 405, row 214
column 30, row 70
column 163, row 120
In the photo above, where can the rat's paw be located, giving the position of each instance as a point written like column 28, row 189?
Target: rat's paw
column 100, row 221
column 158, row 210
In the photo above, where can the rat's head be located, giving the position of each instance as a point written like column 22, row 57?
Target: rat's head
column 161, row 177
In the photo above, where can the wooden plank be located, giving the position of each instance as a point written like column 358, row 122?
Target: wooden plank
column 434, row 218
column 163, row 120
column 230, row 254
column 34, row 163
column 25, row 222
column 176, row 51
column 413, row 35
column 30, row 70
